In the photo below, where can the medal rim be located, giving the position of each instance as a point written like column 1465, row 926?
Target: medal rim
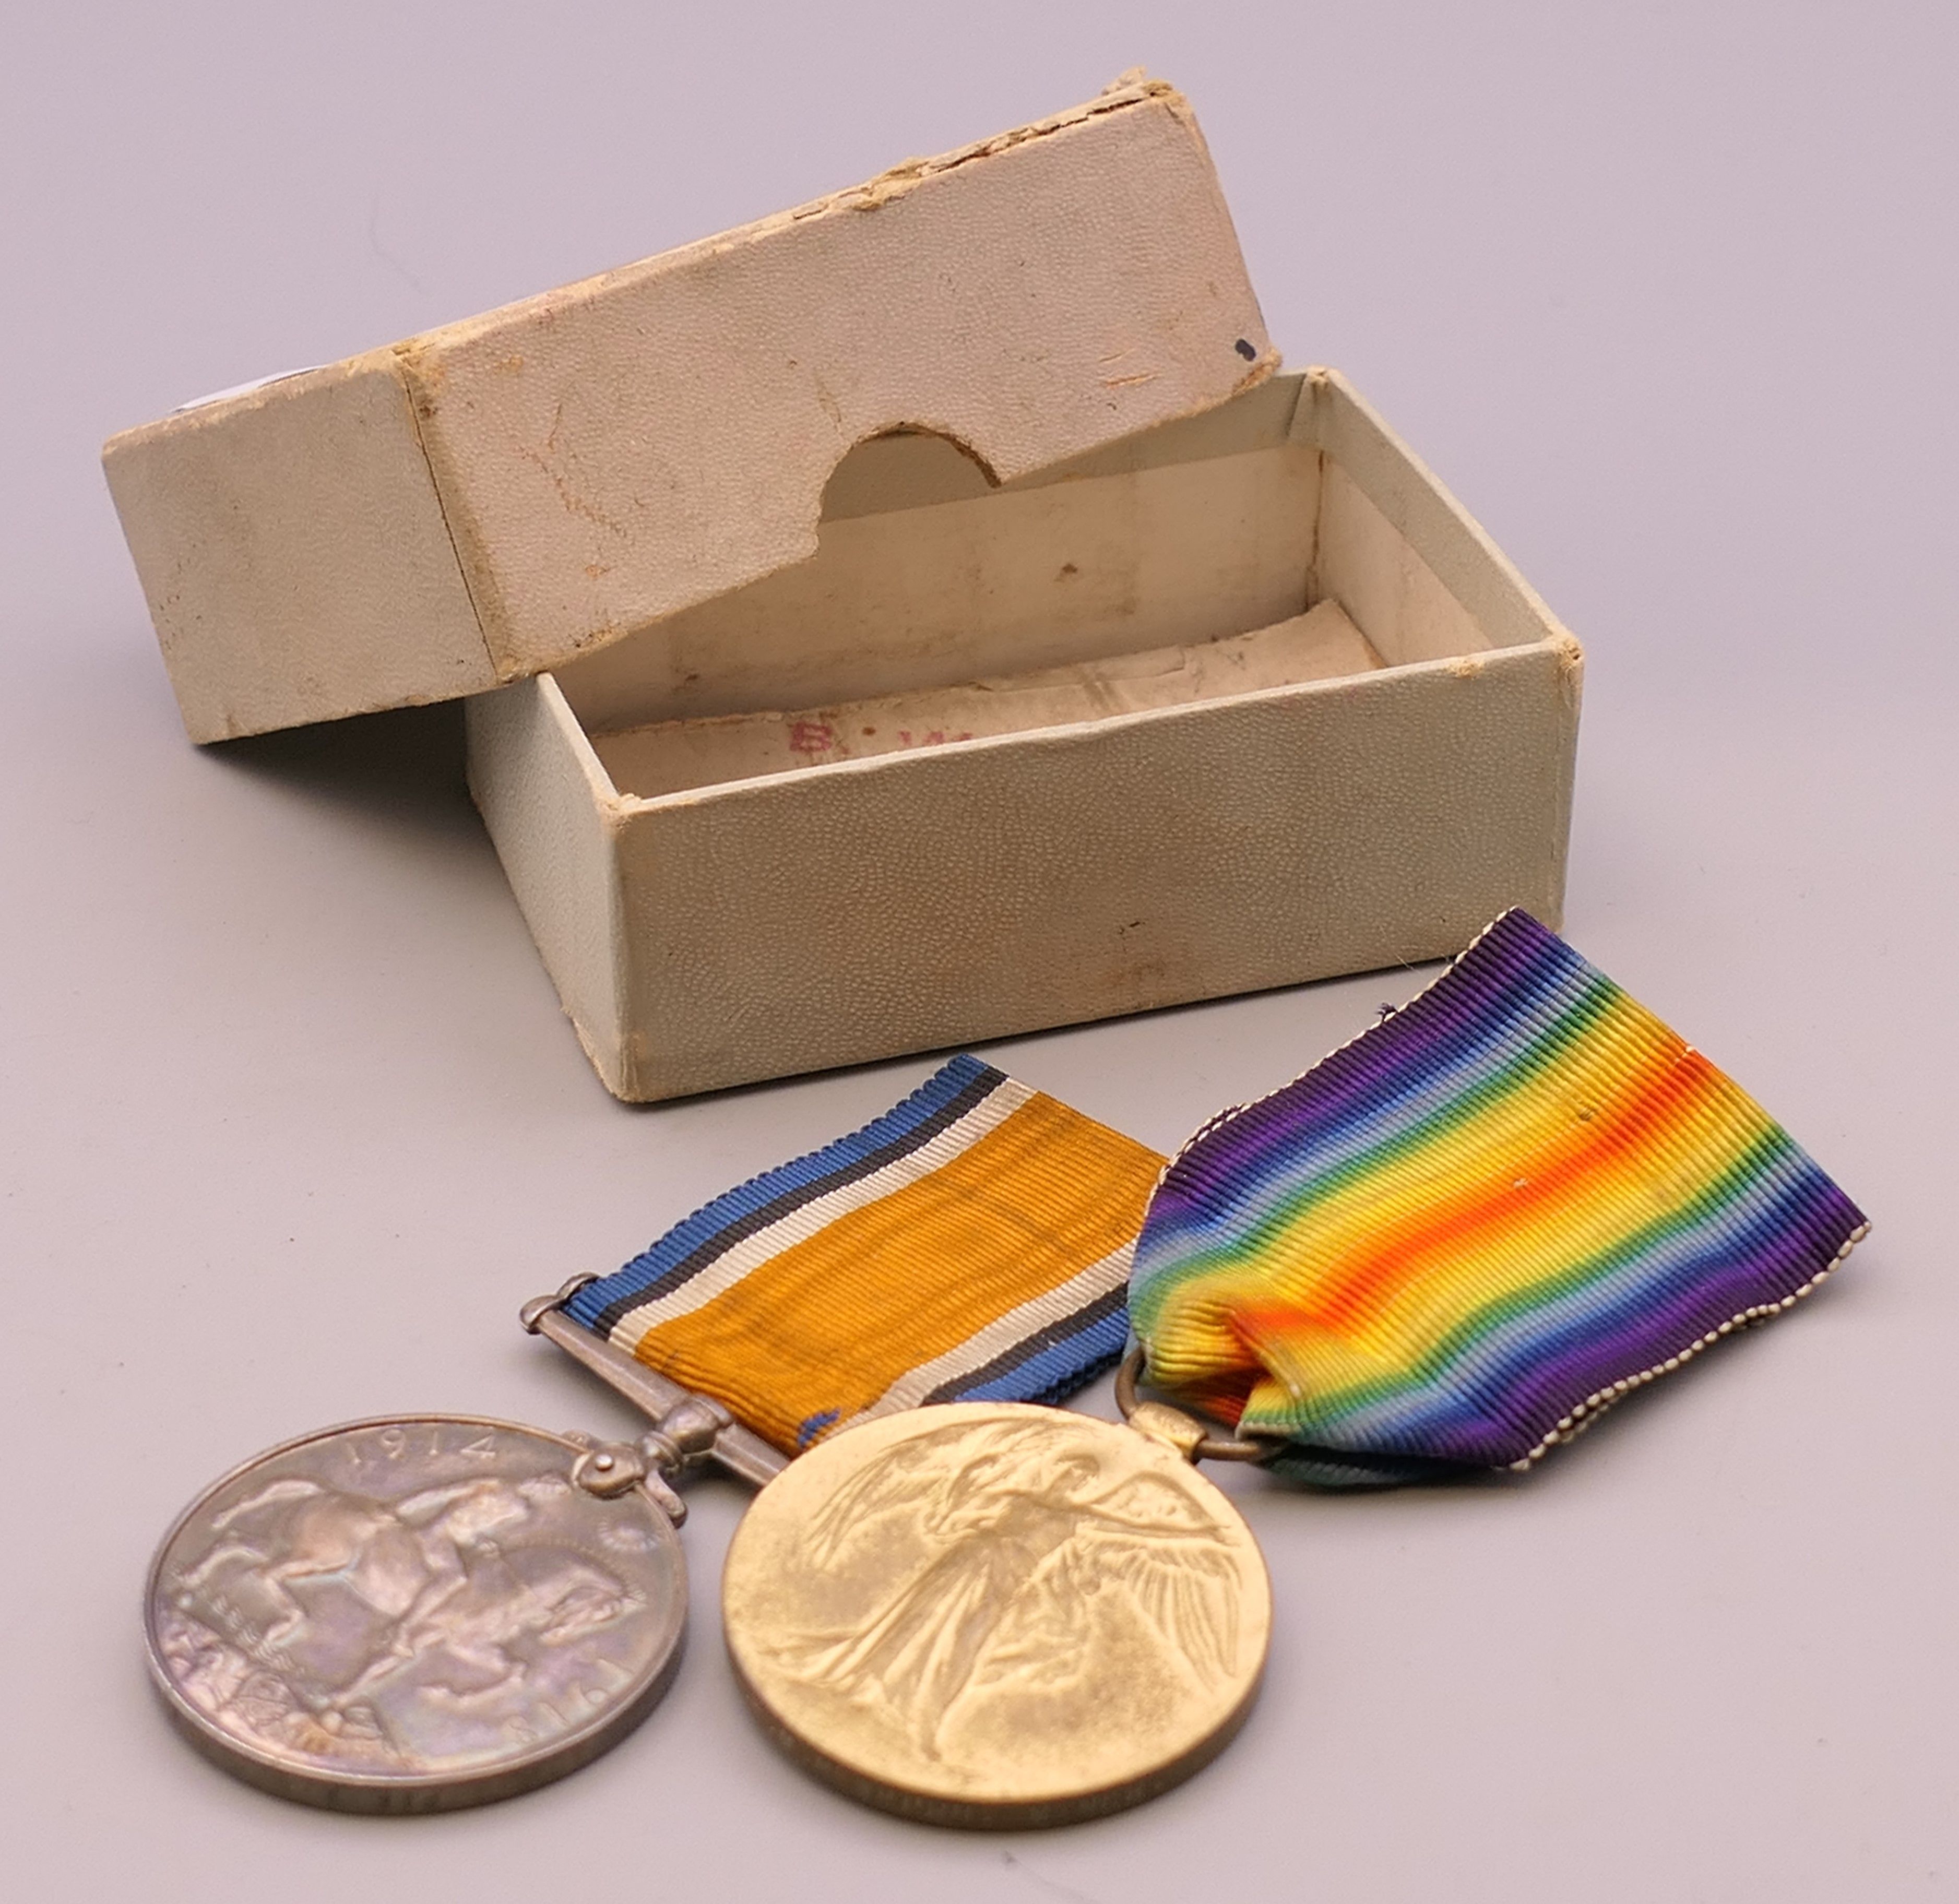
column 1010, row 1814
column 419, row 1792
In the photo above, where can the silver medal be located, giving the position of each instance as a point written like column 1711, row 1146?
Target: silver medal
column 428, row 1611
column 420, row 1613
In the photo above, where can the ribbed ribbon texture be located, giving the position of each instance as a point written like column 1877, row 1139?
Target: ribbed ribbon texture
column 1454, row 1240
column 971, row 1245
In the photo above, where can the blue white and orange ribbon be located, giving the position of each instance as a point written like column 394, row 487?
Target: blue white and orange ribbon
column 973, row 1244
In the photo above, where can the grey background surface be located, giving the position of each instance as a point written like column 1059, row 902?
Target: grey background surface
column 291, row 1123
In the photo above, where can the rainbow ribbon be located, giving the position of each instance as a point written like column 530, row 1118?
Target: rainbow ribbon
column 1456, row 1240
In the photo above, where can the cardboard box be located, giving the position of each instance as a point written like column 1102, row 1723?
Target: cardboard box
column 917, row 618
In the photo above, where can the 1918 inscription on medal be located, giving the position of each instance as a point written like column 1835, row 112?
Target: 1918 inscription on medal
column 414, row 1614
column 997, row 1615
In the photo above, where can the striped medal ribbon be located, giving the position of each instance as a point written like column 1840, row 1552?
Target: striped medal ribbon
column 973, row 1244
column 1454, row 1242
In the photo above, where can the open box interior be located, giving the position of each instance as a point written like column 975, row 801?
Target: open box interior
column 1217, row 556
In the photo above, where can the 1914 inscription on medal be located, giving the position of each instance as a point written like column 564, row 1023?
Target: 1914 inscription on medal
column 415, row 1614
column 991, row 1614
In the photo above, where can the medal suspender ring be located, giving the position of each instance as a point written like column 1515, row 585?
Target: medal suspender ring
column 1185, row 1433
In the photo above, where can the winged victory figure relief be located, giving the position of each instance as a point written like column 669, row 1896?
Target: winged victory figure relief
column 1013, row 1536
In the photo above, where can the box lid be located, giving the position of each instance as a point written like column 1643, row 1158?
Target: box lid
column 487, row 500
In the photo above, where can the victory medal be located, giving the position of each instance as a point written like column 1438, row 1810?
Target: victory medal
column 994, row 1614
column 986, row 1613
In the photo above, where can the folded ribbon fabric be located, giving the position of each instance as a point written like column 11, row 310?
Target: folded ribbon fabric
column 1455, row 1240
column 970, row 1244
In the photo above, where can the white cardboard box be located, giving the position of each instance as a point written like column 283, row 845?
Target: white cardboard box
column 924, row 616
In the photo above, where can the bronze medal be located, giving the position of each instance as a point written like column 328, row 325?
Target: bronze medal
column 997, row 1615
